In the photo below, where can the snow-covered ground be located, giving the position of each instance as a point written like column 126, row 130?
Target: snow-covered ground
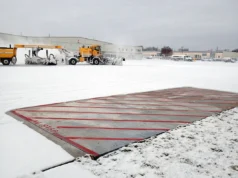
column 23, row 151
column 207, row 148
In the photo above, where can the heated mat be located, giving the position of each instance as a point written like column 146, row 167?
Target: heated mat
column 99, row 125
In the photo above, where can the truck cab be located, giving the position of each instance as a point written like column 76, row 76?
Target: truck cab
column 96, row 50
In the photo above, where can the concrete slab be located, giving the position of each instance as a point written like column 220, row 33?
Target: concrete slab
column 99, row 125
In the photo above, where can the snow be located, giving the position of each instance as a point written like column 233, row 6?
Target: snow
column 71, row 170
column 207, row 148
column 24, row 151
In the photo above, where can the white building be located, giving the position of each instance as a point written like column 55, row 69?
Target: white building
column 128, row 52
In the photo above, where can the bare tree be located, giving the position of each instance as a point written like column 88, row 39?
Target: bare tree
column 235, row 50
column 166, row 51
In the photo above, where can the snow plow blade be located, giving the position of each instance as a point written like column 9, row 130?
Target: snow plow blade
column 114, row 61
column 39, row 60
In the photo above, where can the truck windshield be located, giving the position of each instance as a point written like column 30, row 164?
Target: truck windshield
column 97, row 48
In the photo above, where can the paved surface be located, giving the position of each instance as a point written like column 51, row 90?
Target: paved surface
column 99, row 125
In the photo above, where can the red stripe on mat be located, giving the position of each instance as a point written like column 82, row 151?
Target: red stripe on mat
column 218, row 95
column 171, row 100
column 113, row 99
column 207, row 101
column 22, row 116
column 183, row 98
column 167, row 95
column 159, row 109
column 66, row 139
column 113, row 120
column 137, row 114
column 105, row 138
column 188, row 92
column 109, row 128
column 139, row 104
column 57, row 135
column 217, row 98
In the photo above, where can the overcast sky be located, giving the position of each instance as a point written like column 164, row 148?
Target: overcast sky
column 195, row 24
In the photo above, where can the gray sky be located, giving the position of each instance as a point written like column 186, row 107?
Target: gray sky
column 196, row 24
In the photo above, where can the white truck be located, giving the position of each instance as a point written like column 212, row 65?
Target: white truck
column 182, row 57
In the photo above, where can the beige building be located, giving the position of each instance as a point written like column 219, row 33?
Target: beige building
column 150, row 53
column 126, row 51
column 219, row 55
column 226, row 54
column 207, row 54
column 194, row 54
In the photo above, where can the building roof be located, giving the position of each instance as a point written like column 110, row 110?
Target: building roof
column 55, row 37
column 208, row 51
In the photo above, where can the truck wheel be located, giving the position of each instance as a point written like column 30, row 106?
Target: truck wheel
column 95, row 61
column 72, row 62
column 6, row 61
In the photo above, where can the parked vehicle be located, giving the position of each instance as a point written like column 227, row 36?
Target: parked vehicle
column 149, row 57
column 229, row 59
column 182, row 57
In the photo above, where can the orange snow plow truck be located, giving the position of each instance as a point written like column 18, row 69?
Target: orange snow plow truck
column 92, row 55
column 8, row 55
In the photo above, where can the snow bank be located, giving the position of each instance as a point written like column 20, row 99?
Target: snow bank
column 207, row 148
